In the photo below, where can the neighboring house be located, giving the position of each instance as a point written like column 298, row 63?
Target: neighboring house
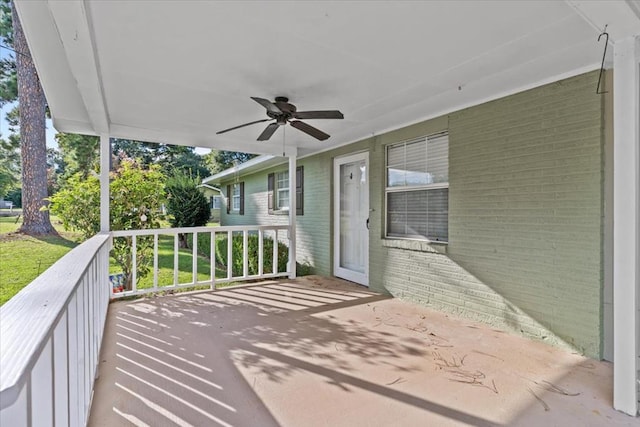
column 495, row 212
column 214, row 197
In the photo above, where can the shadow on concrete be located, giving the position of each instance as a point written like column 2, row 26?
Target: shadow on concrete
column 230, row 357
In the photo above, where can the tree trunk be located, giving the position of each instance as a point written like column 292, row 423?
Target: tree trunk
column 182, row 241
column 33, row 144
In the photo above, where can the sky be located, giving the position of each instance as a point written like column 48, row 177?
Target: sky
column 4, row 126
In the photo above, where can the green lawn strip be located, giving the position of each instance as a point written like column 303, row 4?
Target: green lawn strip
column 9, row 224
column 166, row 264
column 23, row 258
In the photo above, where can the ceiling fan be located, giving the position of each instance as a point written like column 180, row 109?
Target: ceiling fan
column 283, row 112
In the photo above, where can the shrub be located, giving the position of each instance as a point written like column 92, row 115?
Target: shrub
column 186, row 204
column 135, row 197
column 204, row 249
column 237, row 248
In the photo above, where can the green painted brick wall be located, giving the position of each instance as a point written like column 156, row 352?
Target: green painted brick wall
column 525, row 215
column 525, row 218
column 526, row 192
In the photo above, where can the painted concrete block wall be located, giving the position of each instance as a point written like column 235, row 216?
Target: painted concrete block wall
column 525, row 219
column 525, row 215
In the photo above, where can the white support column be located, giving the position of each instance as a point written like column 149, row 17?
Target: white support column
column 292, row 216
column 626, row 234
column 105, row 163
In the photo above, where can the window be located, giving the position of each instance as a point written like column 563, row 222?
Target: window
column 278, row 192
column 282, row 191
column 215, row 202
column 417, row 192
column 235, row 198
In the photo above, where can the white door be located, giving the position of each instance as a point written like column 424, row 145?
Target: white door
column 351, row 218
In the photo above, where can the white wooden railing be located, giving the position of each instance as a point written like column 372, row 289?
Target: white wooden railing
column 50, row 339
column 274, row 233
column 51, row 331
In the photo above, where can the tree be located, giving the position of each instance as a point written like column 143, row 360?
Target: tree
column 132, row 149
column 77, row 204
column 136, row 196
column 32, row 137
column 9, row 165
column 55, row 169
column 80, row 153
column 217, row 161
column 169, row 157
column 8, row 74
column 186, row 204
column 187, row 162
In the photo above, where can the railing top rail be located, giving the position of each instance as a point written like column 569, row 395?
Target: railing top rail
column 28, row 319
column 222, row 229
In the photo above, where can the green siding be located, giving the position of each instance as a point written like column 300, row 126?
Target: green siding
column 525, row 215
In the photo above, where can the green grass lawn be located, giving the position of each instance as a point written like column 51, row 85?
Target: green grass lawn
column 23, row 258
column 165, row 266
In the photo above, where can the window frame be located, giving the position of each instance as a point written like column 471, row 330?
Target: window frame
column 235, row 197
column 411, row 188
column 272, row 192
column 277, row 190
column 216, row 202
column 231, row 196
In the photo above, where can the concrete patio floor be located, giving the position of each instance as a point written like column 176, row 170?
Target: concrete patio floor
column 323, row 352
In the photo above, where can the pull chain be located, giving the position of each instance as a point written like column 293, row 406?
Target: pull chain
column 284, row 130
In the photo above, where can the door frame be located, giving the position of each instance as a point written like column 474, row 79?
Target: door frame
column 338, row 271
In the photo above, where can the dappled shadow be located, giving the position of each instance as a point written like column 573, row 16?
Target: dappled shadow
column 63, row 240
column 320, row 351
column 58, row 240
column 229, row 357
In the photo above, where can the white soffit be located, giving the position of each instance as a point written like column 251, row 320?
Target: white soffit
column 178, row 71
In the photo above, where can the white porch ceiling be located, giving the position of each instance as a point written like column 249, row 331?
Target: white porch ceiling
column 178, row 71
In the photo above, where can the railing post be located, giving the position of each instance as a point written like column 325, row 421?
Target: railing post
column 229, row 254
column 195, row 257
column 134, row 263
column 245, row 253
column 274, row 263
column 291, row 267
column 213, row 260
column 176, row 260
column 155, row 261
column 260, row 252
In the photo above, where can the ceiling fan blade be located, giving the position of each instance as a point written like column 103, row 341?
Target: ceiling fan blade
column 309, row 130
column 328, row 114
column 269, row 130
column 270, row 106
column 241, row 126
